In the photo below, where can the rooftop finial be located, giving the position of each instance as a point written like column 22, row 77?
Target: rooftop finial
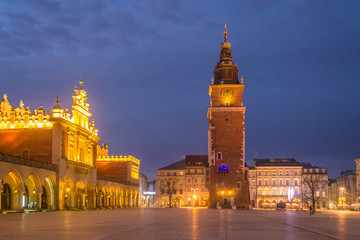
column 212, row 80
column 242, row 79
column 57, row 100
column 225, row 32
column 81, row 83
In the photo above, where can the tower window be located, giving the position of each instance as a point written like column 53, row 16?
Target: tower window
column 219, row 155
column 238, row 185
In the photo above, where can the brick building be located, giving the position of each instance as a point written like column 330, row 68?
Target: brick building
column 226, row 135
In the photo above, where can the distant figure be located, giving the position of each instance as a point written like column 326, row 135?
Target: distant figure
column 310, row 210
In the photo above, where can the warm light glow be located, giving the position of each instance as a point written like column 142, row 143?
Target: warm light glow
column 194, row 196
column 120, row 158
column 222, row 193
column 229, row 192
column 67, row 189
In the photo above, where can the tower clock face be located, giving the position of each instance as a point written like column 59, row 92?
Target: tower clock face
column 226, row 93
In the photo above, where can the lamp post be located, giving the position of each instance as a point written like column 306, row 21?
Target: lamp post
column 342, row 197
column 194, row 196
column 290, row 195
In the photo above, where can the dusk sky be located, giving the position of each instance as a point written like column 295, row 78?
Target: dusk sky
column 147, row 66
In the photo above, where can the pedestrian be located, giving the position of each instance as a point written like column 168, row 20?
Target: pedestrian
column 310, row 210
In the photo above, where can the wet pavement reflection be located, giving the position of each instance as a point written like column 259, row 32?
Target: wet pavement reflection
column 185, row 223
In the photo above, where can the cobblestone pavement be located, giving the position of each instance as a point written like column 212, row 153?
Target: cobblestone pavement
column 155, row 223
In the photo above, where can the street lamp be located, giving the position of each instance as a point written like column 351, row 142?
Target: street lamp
column 290, row 195
column 342, row 197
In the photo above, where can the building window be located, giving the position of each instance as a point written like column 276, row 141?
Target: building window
column 317, row 194
column 238, row 185
column 296, row 182
column 266, row 182
column 188, row 180
column 287, row 182
column 195, row 170
column 296, row 192
column 274, row 182
column 273, row 173
column 180, row 191
column 287, row 173
column 266, row 192
column 281, row 192
column 260, row 192
column 174, row 173
column 274, row 192
column 195, row 180
column 202, row 180
column 181, row 182
column 25, row 154
column 259, row 183
column 253, row 183
column 323, row 194
column 281, row 173
column 266, row 172
column 259, row 173
column 281, row 182
column 296, row 173
column 219, row 155
column 174, row 191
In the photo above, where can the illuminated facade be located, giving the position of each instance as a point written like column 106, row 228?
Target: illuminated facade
column 277, row 180
column 190, row 187
column 226, row 135
column 51, row 160
column 272, row 179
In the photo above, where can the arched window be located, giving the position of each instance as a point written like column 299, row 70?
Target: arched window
column 6, row 197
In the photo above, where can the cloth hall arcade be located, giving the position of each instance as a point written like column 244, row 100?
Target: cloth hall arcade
column 52, row 160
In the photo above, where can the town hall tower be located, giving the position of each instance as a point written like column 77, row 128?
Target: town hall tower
column 228, row 184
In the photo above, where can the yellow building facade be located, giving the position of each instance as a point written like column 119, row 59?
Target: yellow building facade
column 50, row 160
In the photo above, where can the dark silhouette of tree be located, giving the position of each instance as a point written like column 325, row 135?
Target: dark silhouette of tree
column 168, row 188
column 312, row 183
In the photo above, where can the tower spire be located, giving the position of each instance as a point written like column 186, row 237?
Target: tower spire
column 225, row 33
column 81, row 83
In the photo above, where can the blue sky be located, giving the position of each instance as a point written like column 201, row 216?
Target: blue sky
column 147, row 65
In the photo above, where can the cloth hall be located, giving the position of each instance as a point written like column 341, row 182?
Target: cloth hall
column 52, row 161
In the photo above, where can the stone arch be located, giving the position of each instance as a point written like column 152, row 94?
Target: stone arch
column 68, row 192
column 48, row 194
column 99, row 195
column 33, row 191
column 122, row 198
column 136, row 198
column 14, row 191
column 80, row 192
column 90, row 196
column 117, row 197
column 112, row 196
column 106, row 196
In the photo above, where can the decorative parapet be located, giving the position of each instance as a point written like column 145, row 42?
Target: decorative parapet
column 109, row 179
column 120, row 158
column 26, row 162
column 22, row 118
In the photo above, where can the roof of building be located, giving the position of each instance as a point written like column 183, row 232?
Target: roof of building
column 309, row 165
column 175, row 166
column 196, row 160
column 257, row 162
column 347, row 173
